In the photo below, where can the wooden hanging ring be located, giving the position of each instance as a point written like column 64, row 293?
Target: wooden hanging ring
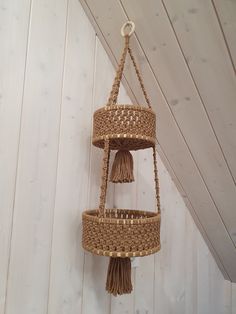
column 130, row 25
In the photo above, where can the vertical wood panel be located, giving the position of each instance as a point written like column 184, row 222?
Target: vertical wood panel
column 203, row 278
column 95, row 267
column 144, row 294
column 227, row 299
column 173, row 253
column 37, row 164
column 14, row 24
column 216, row 287
column 67, row 262
column 191, row 270
column 233, row 298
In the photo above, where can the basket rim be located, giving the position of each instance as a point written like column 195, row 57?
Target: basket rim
column 125, row 106
column 147, row 139
column 154, row 217
column 122, row 254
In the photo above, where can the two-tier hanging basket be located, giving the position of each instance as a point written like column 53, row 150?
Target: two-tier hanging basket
column 122, row 233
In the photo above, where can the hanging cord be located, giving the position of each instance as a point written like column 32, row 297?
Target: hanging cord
column 157, row 187
column 116, row 85
column 139, row 77
column 105, row 170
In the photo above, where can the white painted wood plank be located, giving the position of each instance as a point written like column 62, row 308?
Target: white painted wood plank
column 37, row 165
column 175, row 245
column 233, row 298
column 162, row 50
column 211, row 67
column 144, row 294
column 191, row 209
column 217, row 292
column 162, row 260
column 173, row 290
column 227, row 297
column 109, row 19
column 203, row 282
column 67, row 261
column 14, row 23
column 191, row 271
column 226, row 11
column 95, row 267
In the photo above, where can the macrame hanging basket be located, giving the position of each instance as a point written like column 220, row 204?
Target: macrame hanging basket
column 122, row 233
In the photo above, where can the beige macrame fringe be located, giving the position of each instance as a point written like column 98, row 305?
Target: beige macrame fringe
column 119, row 276
column 122, row 168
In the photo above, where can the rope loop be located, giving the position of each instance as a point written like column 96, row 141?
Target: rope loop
column 116, row 84
column 130, row 25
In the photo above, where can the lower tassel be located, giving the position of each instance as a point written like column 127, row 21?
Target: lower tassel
column 119, row 276
column 122, row 168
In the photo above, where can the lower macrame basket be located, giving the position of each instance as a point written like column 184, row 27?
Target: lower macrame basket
column 121, row 234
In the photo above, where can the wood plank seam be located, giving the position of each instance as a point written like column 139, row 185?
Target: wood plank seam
column 90, row 156
column 58, row 151
column 17, row 158
column 189, row 205
column 195, row 213
column 223, row 35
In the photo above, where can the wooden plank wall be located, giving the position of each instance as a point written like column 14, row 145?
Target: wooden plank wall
column 54, row 74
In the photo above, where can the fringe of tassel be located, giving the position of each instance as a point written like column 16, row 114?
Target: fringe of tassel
column 122, row 168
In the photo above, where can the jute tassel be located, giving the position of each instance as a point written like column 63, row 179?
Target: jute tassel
column 119, row 276
column 122, row 168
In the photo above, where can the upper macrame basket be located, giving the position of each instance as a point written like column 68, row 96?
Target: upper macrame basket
column 122, row 233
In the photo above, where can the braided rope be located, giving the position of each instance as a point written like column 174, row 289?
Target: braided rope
column 139, row 77
column 116, row 84
column 105, row 170
column 157, row 187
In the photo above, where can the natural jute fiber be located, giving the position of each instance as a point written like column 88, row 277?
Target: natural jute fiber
column 122, row 233
column 122, row 168
column 119, row 276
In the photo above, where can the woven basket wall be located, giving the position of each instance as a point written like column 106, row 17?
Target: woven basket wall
column 122, row 233
column 127, row 126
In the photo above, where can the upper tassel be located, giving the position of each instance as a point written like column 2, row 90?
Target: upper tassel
column 122, row 168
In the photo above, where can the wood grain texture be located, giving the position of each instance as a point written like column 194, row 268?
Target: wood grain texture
column 27, row 287
column 233, row 296
column 225, row 11
column 73, row 173
column 213, row 74
column 14, row 26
